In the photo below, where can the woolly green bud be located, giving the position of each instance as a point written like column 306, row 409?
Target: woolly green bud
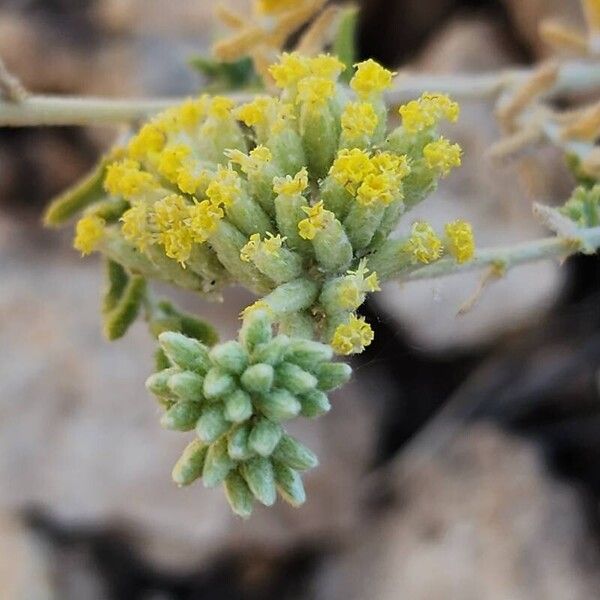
column 297, row 325
column 332, row 375
column 278, row 405
column 288, row 213
column 238, row 406
column 237, row 443
column 230, row 356
column 190, row 464
column 187, row 385
column 314, row 404
column 287, row 150
column 158, row 383
column 238, row 495
column 248, row 216
column 294, row 378
column 332, row 248
column 292, row 453
column 264, row 437
column 335, row 197
column 272, row 352
column 218, row 383
column 185, row 352
column 182, row 416
column 258, row 473
column 292, row 296
column 361, row 223
column 211, row 424
column 308, row 354
column 289, row 484
column 256, row 329
column 258, row 378
column 217, row 464
column 320, row 134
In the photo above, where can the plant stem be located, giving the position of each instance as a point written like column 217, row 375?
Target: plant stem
column 505, row 257
column 35, row 110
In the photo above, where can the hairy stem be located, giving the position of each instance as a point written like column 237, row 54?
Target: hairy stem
column 505, row 257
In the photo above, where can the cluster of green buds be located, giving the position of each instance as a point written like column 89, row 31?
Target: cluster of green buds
column 294, row 197
column 236, row 395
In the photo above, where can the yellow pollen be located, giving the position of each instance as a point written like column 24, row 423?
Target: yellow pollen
column 317, row 219
column 427, row 111
column 204, row 218
column 423, row 244
column 250, row 249
column 350, row 168
column 359, row 119
column 88, row 233
column 126, row 178
column 377, row 189
column 442, row 156
column 352, row 337
column 370, row 78
column 291, row 186
column 460, row 240
column 149, row 140
column 290, row 69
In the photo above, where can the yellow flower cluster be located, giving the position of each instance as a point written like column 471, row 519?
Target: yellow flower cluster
column 352, row 337
column 442, row 156
column 254, row 161
column 316, row 220
column 427, row 111
column 424, row 245
column 373, row 179
column 370, row 79
column 291, row 186
column 89, row 231
column 460, row 240
column 358, row 119
column 271, row 244
column 356, row 284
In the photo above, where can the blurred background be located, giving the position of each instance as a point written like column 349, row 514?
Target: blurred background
column 462, row 462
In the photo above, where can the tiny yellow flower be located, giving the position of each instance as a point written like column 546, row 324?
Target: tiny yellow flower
column 291, row 186
column 249, row 250
column 220, row 107
column 290, row 69
column 370, row 78
column 350, row 168
column 171, row 161
column 253, row 161
column 460, row 240
column 427, row 111
column 424, row 244
column 272, row 243
column 88, row 233
column 149, row 140
column 442, row 156
column 315, row 91
column 135, row 227
column 125, row 178
column 327, row 66
column 377, row 189
column 254, row 112
column 225, row 187
column 318, row 218
column 258, row 305
column 358, row 119
column 204, row 218
column 352, row 337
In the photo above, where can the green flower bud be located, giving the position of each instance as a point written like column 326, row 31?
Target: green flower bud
column 332, row 375
column 292, row 453
column 293, row 378
column 287, row 150
column 237, row 443
column 256, row 329
column 272, row 352
column 278, row 405
column 292, row 296
column 361, row 223
column 265, row 435
column 314, row 404
column 158, row 383
column 308, row 354
column 332, row 248
column 190, row 464
column 238, row 495
column 230, row 356
column 185, row 352
column 258, row 378
column 187, row 385
column 211, row 424
column 289, row 484
column 218, row 383
column 217, row 465
column 248, row 216
column 288, row 213
column 320, row 135
column 182, row 416
column 238, row 406
column 258, row 473
column 335, row 197
column 297, row 325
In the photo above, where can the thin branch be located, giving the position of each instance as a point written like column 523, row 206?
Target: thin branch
column 505, row 257
column 580, row 76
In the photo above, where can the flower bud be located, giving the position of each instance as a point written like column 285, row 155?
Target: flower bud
column 190, row 464
column 265, row 435
column 217, row 465
column 238, row 495
column 278, row 405
column 258, row 378
column 211, row 424
column 295, row 455
column 185, row 352
column 258, row 474
column 314, row 404
column 182, row 416
column 187, row 385
column 230, row 356
column 289, row 484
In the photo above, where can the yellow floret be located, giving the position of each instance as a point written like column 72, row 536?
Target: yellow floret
column 424, row 244
column 326, row 65
column 191, row 111
column 443, row 105
column 171, row 160
column 318, row 218
column 149, row 140
column 315, row 91
column 220, row 107
column 253, row 161
column 178, row 242
column 249, row 250
column 258, row 305
column 359, row 119
column 427, row 111
column 352, row 337
column 460, row 240
column 272, row 243
column 291, row 186
column 135, row 227
column 254, row 112
column 126, row 178
column 290, row 69
column 169, row 211
column 370, row 78
column 442, row 156
column 350, row 168
column 204, row 218
column 392, row 164
column 377, row 189
column 225, row 187
column 88, row 233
